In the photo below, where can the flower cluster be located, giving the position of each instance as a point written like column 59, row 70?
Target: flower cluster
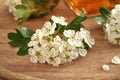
column 23, row 9
column 49, row 46
column 112, row 27
column 12, row 4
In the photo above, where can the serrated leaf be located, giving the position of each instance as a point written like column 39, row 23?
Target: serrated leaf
column 76, row 23
column 26, row 32
column 19, row 42
column 29, row 3
column 15, row 36
column 22, row 13
column 100, row 19
column 15, row 43
column 20, row 39
column 23, row 50
column 104, row 11
column 12, row 36
column 22, row 7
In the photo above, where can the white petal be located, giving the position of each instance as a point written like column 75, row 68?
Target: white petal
column 57, row 61
column 57, row 39
column 42, row 59
column 33, row 59
column 113, row 11
column 115, row 60
column 60, row 20
column 78, row 43
column 78, row 35
column 92, row 41
column 74, row 55
column 105, row 67
column 47, row 24
column 71, row 41
column 68, row 33
column 30, row 44
column 87, row 41
column 117, row 7
column 31, row 51
column 83, row 52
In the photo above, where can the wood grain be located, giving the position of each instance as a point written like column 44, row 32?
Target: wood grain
column 13, row 67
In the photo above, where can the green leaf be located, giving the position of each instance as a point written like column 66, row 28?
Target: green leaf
column 85, row 45
column 42, row 14
column 104, row 11
column 52, row 7
column 20, row 39
column 22, row 7
column 12, row 36
column 29, row 3
column 26, row 32
column 16, row 39
column 41, row 1
column 15, row 43
column 100, row 19
column 22, row 13
column 76, row 23
column 56, row 1
column 23, row 50
column 59, row 28
column 19, row 42
column 15, row 36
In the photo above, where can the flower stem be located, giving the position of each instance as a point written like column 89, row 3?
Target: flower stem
column 59, row 27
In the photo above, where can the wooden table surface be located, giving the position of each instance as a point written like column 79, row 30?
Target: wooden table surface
column 13, row 67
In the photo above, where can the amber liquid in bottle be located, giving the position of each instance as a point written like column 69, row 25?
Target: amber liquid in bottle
column 91, row 6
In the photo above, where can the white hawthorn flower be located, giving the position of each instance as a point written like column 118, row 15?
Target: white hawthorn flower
column 42, row 59
column 115, row 60
column 81, row 52
column 74, row 55
column 112, row 27
column 34, row 59
column 31, row 43
column 60, row 20
column 12, row 4
column 70, row 34
column 116, row 10
column 48, row 28
column 57, row 39
column 61, row 48
column 31, row 51
column 37, row 37
column 74, row 39
column 55, row 61
column 85, row 34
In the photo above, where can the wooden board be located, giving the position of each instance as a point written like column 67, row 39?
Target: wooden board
column 13, row 67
